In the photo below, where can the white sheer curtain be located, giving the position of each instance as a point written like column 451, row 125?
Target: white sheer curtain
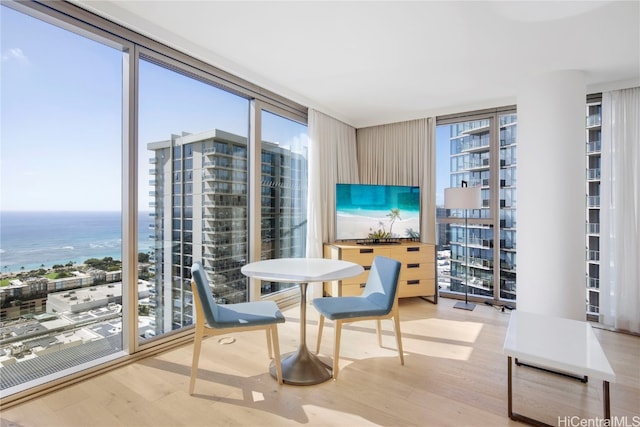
column 620, row 210
column 332, row 159
column 403, row 154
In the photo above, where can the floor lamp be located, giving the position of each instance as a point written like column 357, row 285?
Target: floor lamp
column 464, row 198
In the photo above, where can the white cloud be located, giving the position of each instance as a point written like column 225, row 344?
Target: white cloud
column 15, row 54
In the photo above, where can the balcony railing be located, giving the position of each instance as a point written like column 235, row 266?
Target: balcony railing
column 593, row 174
column 480, row 262
column 594, row 120
column 593, row 201
column 593, row 255
column 593, row 283
column 477, row 164
column 475, row 143
column 593, row 309
column 594, row 147
column 593, row 228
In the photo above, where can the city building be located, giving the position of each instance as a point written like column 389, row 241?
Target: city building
column 200, row 214
column 30, row 296
column 490, row 237
column 90, row 298
column 594, row 149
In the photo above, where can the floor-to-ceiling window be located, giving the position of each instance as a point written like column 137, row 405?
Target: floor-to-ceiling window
column 150, row 149
column 61, row 213
column 481, row 151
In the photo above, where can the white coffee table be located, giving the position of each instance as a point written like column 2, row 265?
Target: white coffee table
column 557, row 344
column 302, row 367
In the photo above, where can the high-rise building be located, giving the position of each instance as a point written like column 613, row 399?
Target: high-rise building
column 200, row 206
column 593, row 149
column 471, row 161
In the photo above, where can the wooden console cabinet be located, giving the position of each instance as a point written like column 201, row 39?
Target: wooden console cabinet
column 417, row 274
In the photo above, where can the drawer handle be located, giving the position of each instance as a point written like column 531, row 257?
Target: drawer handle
column 366, row 267
column 413, row 265
column 413, row 249
column 362, row 285
column 366, row 251
column 413, row 282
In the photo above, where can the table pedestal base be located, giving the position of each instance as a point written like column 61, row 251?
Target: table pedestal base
column 303, row 368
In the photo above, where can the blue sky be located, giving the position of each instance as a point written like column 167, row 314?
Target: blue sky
column 59, row 130
column 60, row 139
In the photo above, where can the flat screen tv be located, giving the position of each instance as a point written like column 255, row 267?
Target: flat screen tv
column 378, row 213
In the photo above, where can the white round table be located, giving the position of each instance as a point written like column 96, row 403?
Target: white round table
column 302, row 367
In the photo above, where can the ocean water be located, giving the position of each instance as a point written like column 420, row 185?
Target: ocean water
column 31, row 239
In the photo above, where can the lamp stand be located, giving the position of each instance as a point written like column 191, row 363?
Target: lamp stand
column 466, row 305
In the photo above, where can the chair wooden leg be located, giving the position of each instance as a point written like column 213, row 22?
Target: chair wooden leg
column 396, row 320
column 336, row 348
column 320, row 326
column 269, row 343
column 197, row 344
column 379, row 329
column 276, row 351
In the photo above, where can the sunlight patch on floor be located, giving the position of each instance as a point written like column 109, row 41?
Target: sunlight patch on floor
column 346, row 418
column 443, row 329
column 437, row 349
column 257, row 396
column 447, row 339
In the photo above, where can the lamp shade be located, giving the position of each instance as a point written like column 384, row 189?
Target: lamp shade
column 462, row 198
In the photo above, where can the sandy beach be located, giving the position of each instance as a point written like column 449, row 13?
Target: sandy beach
column 350, row 226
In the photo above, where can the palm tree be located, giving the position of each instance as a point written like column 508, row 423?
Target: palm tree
column 393, row 214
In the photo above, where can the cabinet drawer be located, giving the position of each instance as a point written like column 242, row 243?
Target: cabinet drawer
column 417, row 274
column 360, row 278
column 337, row 288
column 416, row 287
column 413, row 254
column 410, row 271
column 351, row 289
column 363, row 256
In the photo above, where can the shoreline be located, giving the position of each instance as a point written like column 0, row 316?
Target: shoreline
column 32, row 239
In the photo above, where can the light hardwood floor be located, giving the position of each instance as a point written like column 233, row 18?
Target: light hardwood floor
column 454, row 375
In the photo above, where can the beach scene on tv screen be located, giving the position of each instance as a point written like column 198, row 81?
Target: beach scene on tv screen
column 377, row 212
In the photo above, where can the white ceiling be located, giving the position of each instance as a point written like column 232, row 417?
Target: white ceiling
column 374, row 62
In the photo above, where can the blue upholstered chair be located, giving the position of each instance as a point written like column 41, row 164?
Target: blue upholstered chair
column 379, row 300
column 214, row 319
